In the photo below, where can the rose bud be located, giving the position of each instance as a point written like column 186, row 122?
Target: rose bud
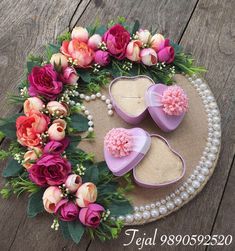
column 148, row 56
column 73, row 182
column 102, row 57
column 55, row 147
column 51, row 197
column 86, row 194
column 133, row 50
column 57, row 130
column 94, row 41
column 31, row 156
column 69, row 76
column 80, row 33
column 56, row 108
column 166, row 55
column 59, row 60
column 144, row 36
column 67, row 210
column 32, row 104
column 91, row 216
column 156, row 41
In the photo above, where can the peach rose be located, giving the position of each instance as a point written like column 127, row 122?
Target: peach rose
column 29, row 128
column 58, row 109
column 86, row 194
column 148, row 56
column 31, row 156
column 73, row 182
column 144, row 36
column 51, row 197
column 80, row 33
column 81, row 54
column 133, row 50
column 59, row 60
column 156, row 41
column 57, row 130
column 32, row 104
column 94, row 41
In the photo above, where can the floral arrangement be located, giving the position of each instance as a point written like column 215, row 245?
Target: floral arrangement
column 43, row 148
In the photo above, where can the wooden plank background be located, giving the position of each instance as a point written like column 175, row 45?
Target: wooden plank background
column 204, row 27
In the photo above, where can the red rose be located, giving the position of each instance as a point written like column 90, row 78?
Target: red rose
column 117, row 39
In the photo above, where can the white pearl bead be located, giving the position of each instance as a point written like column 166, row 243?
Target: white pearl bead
column 141, row 208
column 87, row 112
column 170, row 205
column 82, row 96
column 203, row 87
column 121, row 218
column 200, row 177
column 137, row 216
column 163, row 201
column 98, row 94
column 129, row 218
column 90, row 123
column 190, row 190
column 182, row 188
column 152, row 205
column 211, row 156
column 198, row 81
column 83, row 108
column 154, row 213
column 158, row 204
column 216, row 142
column 208, row 164
column 172, row 195
column 90, row 117
column 110, row 112
column 147, row 207
column 109, row 106
column 93, row 96
column 136, row 209
column 184, row 195
column 90, row 129
column 214, row 149
column 87, row 98
column 195, row 172
column 107, row 101
column 216, row 119
column 162, row 209
column 215, row 112
column 217, row 134
column 103, row 98
column 146, row 215
column 205, row 171
column 177, row 201
column 196, row 184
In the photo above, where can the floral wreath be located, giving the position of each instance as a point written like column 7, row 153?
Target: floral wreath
column 44, row 157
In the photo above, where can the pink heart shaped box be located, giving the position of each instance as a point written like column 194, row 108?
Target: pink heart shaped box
column 127, row 117
column 164, row 121
column 121, row 165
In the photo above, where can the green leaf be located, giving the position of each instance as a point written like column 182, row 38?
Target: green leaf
column 101, row 30
column 177, row 47
column 79, row 122
column 118, row 208
column 13, row 168
column 135, row 27
column 85, row 75
column 76, row 230
column 74, row 141
column 91, row 174
column 35, row 204
column 65, row 229
column 31, row 64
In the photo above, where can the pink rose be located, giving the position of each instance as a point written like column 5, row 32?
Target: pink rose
column 94, row 41
column 80, row 33
column 81, row 54
column 50, row 170
column 57, row 109
column 29, row 128
column 67, row 210
column 55, row 147
column 73, row 182
column 32, row 104
column 117, row 39
column 59, row 60
column 43, row 81
column 148, row 56
column 144, row 36
column 31, row 156
column 91, row 216
column 57, row 130
column 102, row 57
column 133, row 50
column 51, row 197
column 166, row 52
column 86, row 194
column 69, row 76
column 156, row 41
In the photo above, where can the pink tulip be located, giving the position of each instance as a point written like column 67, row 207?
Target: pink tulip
column 94, row 41
column 51, row 197
column 166, row 52
column 133, row 50
column 80, row 33
column 73, row 182
column 56, row 108
column 31, row 156
column 32, row 104
column 59, row 59
column 102, row 57
column 156, row 41
column 67, row 210
column 144, row 36
column 86, row 194
column 69, row 76
column 57, row 130
column 148, row 56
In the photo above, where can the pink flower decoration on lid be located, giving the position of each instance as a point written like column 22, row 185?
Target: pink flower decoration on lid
column 119, row 142
column 174, row 101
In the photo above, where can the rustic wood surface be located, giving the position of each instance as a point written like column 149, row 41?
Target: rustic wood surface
column 204, row 27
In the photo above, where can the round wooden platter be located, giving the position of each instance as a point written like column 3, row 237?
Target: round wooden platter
column 197, row 139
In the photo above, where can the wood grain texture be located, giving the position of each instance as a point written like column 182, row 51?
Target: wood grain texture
column 26, row 27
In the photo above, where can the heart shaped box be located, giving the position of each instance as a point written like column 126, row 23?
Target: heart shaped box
column 142, row 141
column 128, row 97
column 164, row 121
